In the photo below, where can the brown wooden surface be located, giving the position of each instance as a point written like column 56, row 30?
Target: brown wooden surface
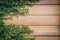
column 44, row 30
column 43, row 19
column 47, row 38
column 40, row 17
column 35, row 20
column 48, row 2
column 44, row 10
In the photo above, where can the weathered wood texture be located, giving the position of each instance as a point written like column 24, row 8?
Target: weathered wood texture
column 48, row 2
column 35, row 20
column 42, row 19
column 47, row 38
column 44, row 30
column 44, row 10
column 44, row 37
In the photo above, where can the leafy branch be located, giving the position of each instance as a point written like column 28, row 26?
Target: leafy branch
column 18, row 7
column 9, row 8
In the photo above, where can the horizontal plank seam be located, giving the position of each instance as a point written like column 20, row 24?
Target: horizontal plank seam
column 42, row 25
column 43, row 4
column 45, row 35
column 43, row 14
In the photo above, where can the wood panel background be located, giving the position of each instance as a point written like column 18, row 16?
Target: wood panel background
column 48, row 2
column 35, row 20
column 43, row 19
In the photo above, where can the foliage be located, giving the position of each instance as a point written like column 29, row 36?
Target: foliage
column 29, row 38
column 13, row 32
column 9, row 8
column 18, row 7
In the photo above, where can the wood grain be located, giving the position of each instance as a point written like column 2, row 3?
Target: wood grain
column 47, row 38
column 34, row 20
column 44, row 10
column 48, row 2
column 44, row 30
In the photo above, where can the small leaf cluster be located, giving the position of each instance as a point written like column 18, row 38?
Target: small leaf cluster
column 14, row 8
column 13, row 32
column 18, row 7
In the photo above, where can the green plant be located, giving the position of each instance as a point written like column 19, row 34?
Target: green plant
column 29, row 38
column 13, row 32
column 9, row 8
column 17, row 7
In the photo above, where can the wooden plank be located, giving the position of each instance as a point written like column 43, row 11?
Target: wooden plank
column 34, row 20
column 44, row 30
column 47, row 38
column 44, row 37
column 48, row 2
column 44, row 10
